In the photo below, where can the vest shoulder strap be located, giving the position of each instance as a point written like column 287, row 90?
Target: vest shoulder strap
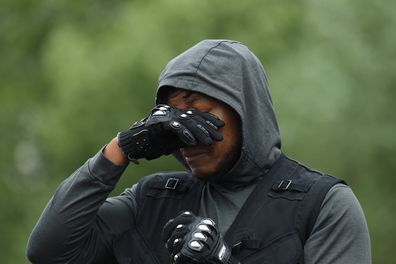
column 311, row 206
column 310, row 187
column 172, row 181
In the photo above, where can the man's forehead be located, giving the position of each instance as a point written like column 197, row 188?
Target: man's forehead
column 174, row 93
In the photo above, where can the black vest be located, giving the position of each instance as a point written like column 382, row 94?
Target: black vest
column 271, row 227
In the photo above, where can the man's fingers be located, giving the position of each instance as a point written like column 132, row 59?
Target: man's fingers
column 183, row 133
column 211, row 119
column 213, row 130
column 204, row 129
column 198, row 130
column 184, row 218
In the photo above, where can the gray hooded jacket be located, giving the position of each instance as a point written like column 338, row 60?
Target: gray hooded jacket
column 230, row 72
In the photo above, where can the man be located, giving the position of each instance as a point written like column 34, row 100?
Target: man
column 240, row 200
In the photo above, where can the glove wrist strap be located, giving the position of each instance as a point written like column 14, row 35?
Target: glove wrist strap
column 134, row 143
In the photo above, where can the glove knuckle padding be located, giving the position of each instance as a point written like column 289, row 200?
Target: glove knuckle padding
column 185, row 135
column 170, row 226
column 167, row 129
column 192, row 239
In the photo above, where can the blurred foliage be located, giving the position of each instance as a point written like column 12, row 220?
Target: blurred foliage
column 73, row 73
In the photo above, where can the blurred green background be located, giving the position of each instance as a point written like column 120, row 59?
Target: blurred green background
column 73, row 73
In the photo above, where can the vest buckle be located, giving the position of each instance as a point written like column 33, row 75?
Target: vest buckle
column 284, row 185
column 171, row 183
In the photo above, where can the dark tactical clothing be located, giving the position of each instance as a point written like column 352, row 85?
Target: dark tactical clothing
column 270, row 208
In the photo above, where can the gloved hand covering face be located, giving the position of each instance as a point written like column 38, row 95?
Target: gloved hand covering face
column 167, row 129
column 192, row 239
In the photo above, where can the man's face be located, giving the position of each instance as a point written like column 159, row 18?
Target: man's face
column 210, row 162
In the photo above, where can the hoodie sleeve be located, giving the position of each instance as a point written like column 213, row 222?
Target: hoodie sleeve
column 79, row 222
column 340, row 234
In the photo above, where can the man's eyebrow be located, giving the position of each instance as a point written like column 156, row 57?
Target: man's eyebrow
column 188, row 94
column 191, row 97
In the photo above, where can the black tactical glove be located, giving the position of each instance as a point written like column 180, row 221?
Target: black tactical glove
column 167, row 129
column 195, row 240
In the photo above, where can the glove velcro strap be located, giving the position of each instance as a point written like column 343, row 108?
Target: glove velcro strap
column 134, row 143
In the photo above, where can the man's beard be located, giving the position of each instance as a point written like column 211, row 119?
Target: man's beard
column 223, row 167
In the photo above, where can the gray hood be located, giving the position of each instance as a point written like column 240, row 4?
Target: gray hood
column 228, row 71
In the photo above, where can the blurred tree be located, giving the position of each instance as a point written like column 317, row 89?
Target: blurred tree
column 72, row 74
